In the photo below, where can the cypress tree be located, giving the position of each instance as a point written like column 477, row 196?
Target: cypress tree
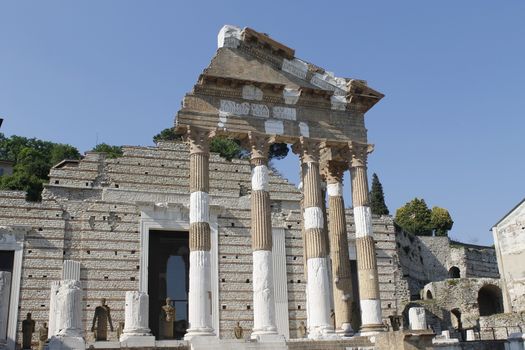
column 377, row 197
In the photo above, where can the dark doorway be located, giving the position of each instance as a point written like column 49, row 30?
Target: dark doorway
column 455, row 319
column 168, row 277
column 490, row 300
column 429, row 295
column 453, row 272
column 7, row 258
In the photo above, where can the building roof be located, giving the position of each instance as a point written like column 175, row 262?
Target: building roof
column 508, row 213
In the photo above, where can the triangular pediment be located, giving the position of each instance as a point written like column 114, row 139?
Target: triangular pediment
column 255, row 84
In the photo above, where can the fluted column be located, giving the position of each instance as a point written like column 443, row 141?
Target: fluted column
column 318, row 288
column 341, row 273
column 261, row 229
column 371, row 318
column 199, row 298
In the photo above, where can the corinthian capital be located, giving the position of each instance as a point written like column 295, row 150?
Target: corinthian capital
column 359, row 153
column 333, row 171
column 259, row 145
column 307, row 149
column 198, row 139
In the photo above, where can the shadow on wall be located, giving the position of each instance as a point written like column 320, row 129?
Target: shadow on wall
column 419, row 264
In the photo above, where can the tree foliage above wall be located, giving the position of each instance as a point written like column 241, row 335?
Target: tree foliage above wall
column 227, row 147
column 32, row 158
column 441, row 221
column 111, row 151
column 415, row 217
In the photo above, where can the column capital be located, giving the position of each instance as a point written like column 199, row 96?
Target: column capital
column 307, row 149
column 333, row 171
column 198, row 139
column 359, row 153
column 259, row 146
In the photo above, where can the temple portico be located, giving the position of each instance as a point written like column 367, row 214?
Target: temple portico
column 278, row 98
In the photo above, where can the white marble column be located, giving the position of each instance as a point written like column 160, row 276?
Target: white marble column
column 52, row 321
column 318, row 283
column 199, row 298
column 69, row 309
column 417, row 318
column 5, row 292
column 369, row 298
column 136, row 330
column 261, row 229
column 69, row 317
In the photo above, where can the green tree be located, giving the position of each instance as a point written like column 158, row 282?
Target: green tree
column 32, row 159
column 415, row 217
column 111, row 151
column 226, row 147
column 59, row 152
column 167, row 134
column 377, row 197
column 441, row 221
column 278, row 151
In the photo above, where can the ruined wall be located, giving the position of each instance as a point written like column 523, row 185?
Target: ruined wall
column 424, row 259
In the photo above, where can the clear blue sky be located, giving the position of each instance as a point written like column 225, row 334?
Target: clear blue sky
column 451, row 128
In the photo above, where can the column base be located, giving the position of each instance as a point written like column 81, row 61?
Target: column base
column 67, row 343
column 346, row 331
column 137, row 341
column 371, row 329
column 199, row 332
column 267, row 337
column 323, row 333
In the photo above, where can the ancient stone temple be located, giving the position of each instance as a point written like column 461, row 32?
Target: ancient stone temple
column 175, row 246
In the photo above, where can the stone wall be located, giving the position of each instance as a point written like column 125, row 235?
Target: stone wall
column 425, row 259
column 509, row 240
column 92, row 213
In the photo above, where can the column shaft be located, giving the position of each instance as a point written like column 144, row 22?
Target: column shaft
column 318, row 284
column 261, row 230
column 371, row 317
column 199, row 298
column 341, row 273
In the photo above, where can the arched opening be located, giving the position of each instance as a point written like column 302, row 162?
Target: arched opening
column 455, row 318
column 453, row 272
column 429, row 294
column 490, row 300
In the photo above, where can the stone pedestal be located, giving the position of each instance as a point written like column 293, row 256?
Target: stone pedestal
column 417, row 318
column 69, row 317
column 444, row 342
column 471, row 336
column 5, row 292
column 136, row 331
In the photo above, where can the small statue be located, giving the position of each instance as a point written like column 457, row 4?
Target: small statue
column 238, row 331
column 167, row 318
column 42, row 336
column 120, row 329
column 302, row 330
column 332, row 317
column 100, row 321
column 28, row 328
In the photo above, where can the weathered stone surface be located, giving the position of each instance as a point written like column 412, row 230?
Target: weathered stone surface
column 5, row 291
